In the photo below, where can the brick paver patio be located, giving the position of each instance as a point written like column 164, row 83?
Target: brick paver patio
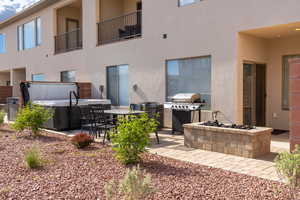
column 173, row 147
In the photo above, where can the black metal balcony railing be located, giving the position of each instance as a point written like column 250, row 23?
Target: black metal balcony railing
column 124, row 27
column 68, row 41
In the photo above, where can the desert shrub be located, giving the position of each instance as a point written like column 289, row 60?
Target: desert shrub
column 32, row 117
column 33, row 158
column 82, row 140
column 132, row 137
column 2, row 115
column 136, row 185
column 288, row 167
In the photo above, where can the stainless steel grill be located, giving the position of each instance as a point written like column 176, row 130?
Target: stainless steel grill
column 186, row 98
column 184, row 106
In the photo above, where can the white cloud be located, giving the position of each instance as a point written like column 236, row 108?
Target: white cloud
column 17, row 4
column 10, row 7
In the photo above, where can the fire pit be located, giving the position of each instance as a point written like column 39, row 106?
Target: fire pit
column 216, row 123
column 239, row 140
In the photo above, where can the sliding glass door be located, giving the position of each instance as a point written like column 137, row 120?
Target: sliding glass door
column 117, row 85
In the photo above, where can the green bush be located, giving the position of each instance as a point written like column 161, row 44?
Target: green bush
column 2, row 115
column 33, row 158
column 32, row 117
column 288, row 167
column 136, row 185
column 132, row 137
column 82, row 140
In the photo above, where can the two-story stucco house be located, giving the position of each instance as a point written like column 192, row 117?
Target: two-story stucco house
column 235, row 53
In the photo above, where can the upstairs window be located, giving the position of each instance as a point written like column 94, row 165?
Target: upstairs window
column 30, row 35
column 2, row 43
column 187, row 2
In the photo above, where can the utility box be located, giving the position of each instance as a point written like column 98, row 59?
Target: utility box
column 12, row 108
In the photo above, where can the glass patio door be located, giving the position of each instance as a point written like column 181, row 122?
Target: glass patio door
column 72, row 37
column 248, row 94
column 117, row 85
column 254, row 94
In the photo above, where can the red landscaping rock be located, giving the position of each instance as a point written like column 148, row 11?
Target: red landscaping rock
column 70, row 173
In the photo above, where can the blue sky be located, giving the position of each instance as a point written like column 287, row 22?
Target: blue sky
column 10, row 7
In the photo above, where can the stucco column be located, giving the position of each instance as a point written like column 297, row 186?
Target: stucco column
column 11, row 77
column 294, row 103
column 89, row 23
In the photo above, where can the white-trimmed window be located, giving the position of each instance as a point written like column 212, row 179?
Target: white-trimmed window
column 38, row 77
column 187, row 2
column 190, row 75
column 2, row 43
column 30, row 34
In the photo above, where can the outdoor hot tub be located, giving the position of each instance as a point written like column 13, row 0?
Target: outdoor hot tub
column 244, row 141
column 62, row 99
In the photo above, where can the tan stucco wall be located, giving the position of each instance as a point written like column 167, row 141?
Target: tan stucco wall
column 250, row 50
column 4, row 77
column 130, row 6
column 205, row 28
column 269, row 52
column 67, row 13
column 110, row 9
column 115, row 8
column 18, row 75
column 277, row 49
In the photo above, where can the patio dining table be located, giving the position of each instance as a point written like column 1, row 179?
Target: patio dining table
column 123, row 112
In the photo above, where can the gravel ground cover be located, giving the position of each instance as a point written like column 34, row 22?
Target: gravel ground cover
column 70, row 173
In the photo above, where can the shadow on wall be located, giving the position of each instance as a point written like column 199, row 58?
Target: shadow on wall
column 141, row 94
column 96, row 93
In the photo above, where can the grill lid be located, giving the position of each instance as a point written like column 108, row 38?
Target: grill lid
column 186, row 98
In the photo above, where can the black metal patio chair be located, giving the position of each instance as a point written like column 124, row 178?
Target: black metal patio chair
column 103, row 122
column 86, row 120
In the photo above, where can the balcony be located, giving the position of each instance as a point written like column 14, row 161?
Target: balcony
column 68, row 27
column 68, row 41
column 124, row 27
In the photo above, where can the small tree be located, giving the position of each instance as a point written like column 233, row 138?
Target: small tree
column 132, row 137
column 288, row 167
column 32, row 117
column 2, row 115
column 136, row 185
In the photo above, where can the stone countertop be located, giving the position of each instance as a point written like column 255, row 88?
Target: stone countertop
column 256, row 131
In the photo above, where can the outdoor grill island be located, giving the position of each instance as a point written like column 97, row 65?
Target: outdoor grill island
column 184, row 107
